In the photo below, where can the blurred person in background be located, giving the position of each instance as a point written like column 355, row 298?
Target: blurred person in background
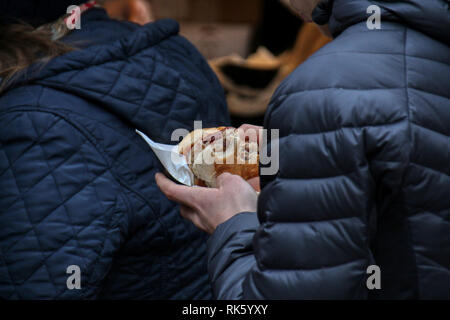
column 281, row 42
column 138, row 11
column 77, row 186
column 364, row 175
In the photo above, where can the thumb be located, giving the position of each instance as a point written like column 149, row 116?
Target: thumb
column 225, row 179
column 228, row 180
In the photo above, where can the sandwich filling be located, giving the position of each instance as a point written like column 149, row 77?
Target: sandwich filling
column 211, row 152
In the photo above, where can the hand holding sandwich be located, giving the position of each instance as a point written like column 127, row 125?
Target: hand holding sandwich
column 207, row 208
column 230, row 195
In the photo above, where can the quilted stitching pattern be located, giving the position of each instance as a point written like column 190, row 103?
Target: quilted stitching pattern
column 77, row 184
column 58, row 232
column 162, row 90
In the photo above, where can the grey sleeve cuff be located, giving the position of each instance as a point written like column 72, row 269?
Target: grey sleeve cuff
column 230, row 254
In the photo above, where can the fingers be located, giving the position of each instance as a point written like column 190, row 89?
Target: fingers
column 255, row 183
column 245, row 127
column 181, row 194
column 193, row 216
column 187, row 212
column 221, row 180
column 227, row 178
column 251, row 133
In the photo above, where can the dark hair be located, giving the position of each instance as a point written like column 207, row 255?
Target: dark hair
column 22, row 45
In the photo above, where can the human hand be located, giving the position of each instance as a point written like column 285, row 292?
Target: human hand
column 254, row 133
column 207, row 208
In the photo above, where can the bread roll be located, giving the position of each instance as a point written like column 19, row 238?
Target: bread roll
column 213, row 151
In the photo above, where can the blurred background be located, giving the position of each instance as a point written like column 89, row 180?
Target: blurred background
column 252, row 45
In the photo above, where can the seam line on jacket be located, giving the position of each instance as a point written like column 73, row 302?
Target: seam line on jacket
column 405, row 171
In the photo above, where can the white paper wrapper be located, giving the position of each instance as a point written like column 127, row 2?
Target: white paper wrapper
column 174, row 162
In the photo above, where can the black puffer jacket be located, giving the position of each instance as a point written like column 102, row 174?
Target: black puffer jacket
column 364, row 173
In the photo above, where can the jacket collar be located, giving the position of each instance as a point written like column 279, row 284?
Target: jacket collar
column 431, row 17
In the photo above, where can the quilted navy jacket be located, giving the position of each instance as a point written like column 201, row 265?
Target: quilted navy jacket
column 364, row 175
column 77, row 183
